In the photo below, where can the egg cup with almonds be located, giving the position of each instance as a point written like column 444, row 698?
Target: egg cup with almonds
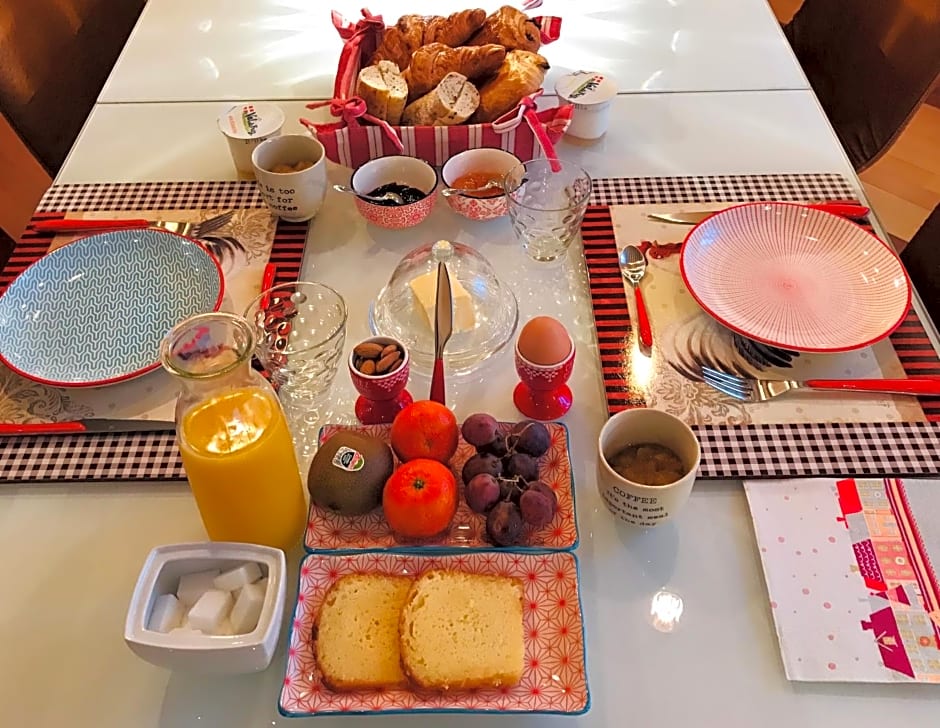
column 379, row 368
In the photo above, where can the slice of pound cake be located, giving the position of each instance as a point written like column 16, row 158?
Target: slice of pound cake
column 357, row 642
column 462, row 631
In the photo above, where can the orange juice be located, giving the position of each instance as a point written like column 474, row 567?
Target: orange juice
column 241, row 466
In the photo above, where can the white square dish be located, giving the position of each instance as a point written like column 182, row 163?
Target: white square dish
column 191, row 650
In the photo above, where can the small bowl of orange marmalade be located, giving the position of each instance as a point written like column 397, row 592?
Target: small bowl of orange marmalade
column 472, row 170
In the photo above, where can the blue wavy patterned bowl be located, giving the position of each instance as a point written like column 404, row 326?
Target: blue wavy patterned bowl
column 94, row 311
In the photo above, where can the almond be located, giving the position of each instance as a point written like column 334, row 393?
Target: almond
column 367, row 367
column 390, row 349
column 369, row 350
column 388, row 363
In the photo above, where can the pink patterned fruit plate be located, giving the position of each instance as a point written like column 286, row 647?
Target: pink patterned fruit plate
column 329, row 531
column 795, row 277
column 554, row 678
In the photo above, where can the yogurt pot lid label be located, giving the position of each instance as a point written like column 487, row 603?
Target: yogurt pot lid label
column 586, row 87
column 249, row 121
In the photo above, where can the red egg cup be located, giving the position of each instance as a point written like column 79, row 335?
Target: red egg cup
column 543, row 393
column 382, row 396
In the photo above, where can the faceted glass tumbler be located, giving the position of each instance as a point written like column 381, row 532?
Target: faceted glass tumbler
column 547, row 201
column 300, row 328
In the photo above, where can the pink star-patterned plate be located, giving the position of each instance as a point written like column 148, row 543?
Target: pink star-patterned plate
column 554, row 679
column 329, row 531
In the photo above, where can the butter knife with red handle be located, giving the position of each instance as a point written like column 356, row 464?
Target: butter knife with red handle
column 93, row 426
column 849, row 210
column 443, row 328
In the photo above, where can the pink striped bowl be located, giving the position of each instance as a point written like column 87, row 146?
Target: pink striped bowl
column 794, row 277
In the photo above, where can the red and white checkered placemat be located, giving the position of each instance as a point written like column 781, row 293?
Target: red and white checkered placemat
column 133, row 456
column 765, row 450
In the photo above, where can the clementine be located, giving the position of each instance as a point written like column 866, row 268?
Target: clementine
column 425, row 429
column 420, row 498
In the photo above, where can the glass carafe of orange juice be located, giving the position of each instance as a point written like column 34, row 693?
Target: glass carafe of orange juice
column 232, row 435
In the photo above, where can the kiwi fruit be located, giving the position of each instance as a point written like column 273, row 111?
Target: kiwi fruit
column 348, row 473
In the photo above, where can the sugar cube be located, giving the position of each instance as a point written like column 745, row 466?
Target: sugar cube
column 213, row 606
column 247, row 609
column 167, row 613
column 224, row 629
column 193, row 586
column 236, row 578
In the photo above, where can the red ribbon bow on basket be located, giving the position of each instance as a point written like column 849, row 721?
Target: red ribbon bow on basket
column 349, row 109
column 527, row 110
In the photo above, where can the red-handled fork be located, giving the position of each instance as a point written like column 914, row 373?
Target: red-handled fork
column 761, row 390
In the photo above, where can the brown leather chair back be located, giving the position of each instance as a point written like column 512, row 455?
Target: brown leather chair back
column 55, row 56
column 870, row 62
column 921, row 257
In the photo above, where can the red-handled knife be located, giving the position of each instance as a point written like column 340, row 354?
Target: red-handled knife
column 443, row 328
column 81, row 226
column 81, row 427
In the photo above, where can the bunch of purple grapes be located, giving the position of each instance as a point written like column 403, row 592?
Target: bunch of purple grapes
column 502, row 479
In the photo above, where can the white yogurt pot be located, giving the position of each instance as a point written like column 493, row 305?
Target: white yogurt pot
column 245, row 126
column 591, row 94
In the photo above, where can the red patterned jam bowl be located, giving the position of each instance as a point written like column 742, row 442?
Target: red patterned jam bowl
column 494, row 161
column 397, row 169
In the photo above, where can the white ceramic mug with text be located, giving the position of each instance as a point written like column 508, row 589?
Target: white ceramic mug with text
column 636, row 503
column 292, row 196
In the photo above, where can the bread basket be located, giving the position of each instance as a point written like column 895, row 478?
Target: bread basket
column 352, row 140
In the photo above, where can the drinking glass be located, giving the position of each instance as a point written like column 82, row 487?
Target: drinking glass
column 547, row 200
column 300, row 329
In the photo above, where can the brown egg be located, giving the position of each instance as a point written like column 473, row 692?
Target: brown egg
column 544, row 341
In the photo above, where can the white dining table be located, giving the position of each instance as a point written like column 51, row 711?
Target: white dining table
column 211, row 50
column 71, row 553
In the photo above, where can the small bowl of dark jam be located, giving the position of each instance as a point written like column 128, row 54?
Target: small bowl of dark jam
column 412, row 179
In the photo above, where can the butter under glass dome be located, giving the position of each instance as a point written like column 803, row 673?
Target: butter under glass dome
column 485, row 310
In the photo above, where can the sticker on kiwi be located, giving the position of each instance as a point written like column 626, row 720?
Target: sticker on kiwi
column 348, row 459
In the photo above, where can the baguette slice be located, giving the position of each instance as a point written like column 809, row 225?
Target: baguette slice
column 451, row 102
column 460, row 631
column 384, row 90
column 357, row 643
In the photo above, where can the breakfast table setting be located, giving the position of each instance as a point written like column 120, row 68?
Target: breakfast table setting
column 713, row 284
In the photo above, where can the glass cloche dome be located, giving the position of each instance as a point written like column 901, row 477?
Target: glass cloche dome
column 485, row 310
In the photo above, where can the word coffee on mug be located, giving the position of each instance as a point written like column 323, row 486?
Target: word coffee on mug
column 646, row 465
column 291, row 174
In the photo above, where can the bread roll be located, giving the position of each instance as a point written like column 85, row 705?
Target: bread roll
column 431, row 62
column 511, row 28
column 520, row 74
column 384, row 90
column 451, row 102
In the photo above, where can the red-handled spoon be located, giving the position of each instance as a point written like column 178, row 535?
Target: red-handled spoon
column 633, row 268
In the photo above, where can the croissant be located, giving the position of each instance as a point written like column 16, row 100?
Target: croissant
column 413, row 31
column 455, row 29
column 519, row 75
column 431, row 62
column 511, row 28
column 400, row 41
